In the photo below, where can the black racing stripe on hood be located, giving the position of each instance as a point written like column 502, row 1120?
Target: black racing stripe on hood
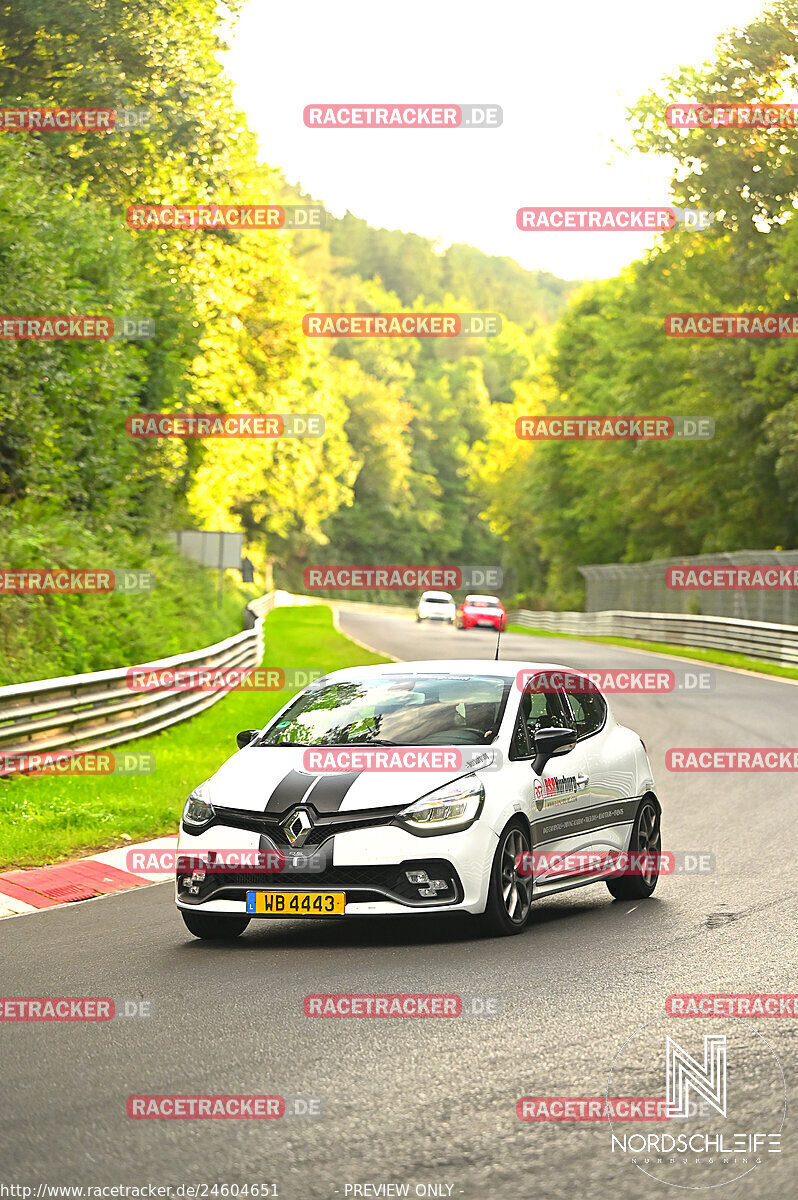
column 289, row 791
column 329, row 791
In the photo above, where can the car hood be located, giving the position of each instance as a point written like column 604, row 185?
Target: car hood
column 261, row 776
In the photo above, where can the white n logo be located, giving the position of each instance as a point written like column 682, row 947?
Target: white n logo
column 684, row 1072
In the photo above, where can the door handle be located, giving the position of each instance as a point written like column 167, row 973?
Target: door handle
column 582, row 781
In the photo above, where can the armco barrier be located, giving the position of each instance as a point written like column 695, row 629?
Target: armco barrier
column 758, row 639
column 93, row 711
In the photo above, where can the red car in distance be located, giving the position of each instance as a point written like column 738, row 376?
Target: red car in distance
column 481, row 611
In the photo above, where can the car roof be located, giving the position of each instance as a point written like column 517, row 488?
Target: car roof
column 504, row 668
column 437, row 595
column 476, row 598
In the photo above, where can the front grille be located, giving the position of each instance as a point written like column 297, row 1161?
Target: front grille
column 325, row 825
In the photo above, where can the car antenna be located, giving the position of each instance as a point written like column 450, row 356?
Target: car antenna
column 498, row 643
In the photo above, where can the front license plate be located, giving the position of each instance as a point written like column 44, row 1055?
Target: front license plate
column 296, row 904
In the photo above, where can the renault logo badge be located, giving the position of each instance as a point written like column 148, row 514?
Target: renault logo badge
column 297, row 827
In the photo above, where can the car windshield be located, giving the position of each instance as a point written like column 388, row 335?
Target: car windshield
column 402, row 710
column 484, row 601
column 436, row 600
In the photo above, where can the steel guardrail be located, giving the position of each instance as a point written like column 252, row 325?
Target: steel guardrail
column 89, row 712
column 756, row 639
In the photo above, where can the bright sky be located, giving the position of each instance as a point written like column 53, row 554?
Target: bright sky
column 563, row 72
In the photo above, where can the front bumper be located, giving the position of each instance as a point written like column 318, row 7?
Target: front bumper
column 368, row 863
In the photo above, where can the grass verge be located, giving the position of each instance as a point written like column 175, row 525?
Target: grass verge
column 44, row 636
column 46, row 818
column 722, row 657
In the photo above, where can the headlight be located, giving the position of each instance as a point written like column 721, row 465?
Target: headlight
column 197, row 812
column 452, row 807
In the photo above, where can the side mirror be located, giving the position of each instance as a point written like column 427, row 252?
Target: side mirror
column 245, row 737
column 548, row 742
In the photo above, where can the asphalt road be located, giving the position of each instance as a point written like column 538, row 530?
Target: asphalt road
column 427, row 1102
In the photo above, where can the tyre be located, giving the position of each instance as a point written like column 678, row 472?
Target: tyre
column 217, row 927
column 646, row 835
column 418, row 618
column 509, row 894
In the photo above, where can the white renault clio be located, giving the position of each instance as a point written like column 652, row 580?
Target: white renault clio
column 425, row 787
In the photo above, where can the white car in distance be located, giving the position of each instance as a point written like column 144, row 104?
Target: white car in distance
column 436, row 606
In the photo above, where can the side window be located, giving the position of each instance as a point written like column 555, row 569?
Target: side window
column 538, row 710
column 589, row 711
